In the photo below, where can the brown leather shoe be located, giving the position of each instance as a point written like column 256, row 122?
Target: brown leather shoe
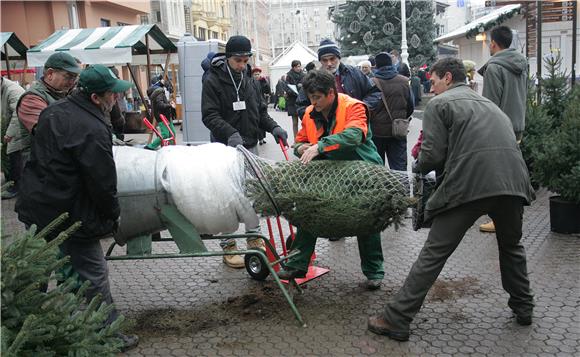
column 377, row 324
column 488, row 227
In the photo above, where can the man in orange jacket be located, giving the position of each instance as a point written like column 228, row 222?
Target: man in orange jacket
column 335, row 127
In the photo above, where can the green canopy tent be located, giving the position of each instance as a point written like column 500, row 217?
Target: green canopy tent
column 12, row 49
column 130, row 45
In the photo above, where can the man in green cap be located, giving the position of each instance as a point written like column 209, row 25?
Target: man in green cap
column 60, row 74
column 71, row 169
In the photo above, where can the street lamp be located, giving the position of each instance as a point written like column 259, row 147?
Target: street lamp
column 404, row 53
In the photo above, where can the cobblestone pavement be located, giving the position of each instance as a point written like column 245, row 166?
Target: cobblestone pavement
column 200, row 307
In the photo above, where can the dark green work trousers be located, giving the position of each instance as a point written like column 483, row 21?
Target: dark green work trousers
column 447, row 231
column 370, row 250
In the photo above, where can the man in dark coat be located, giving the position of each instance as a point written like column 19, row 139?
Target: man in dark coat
column 161, row 105
column 469, row 142
column 349, row 80
column 280, row 90
column 397, row 95
column 294, row 78
column 71, row 169
column 233, row 110
column 401, row 67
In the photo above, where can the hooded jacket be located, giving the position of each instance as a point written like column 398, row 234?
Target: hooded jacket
column 505, row 82
column 397, row 93
column 11, row 93
column 218, row 115
column 71, row 169
column 468, row 142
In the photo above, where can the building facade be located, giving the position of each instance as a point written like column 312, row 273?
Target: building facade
column 306, row 21
column 34, row 21
column 209, row 19
column 169, row 16
column 250, row 19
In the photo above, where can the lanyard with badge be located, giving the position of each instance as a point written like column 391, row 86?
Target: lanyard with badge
column 240, row 104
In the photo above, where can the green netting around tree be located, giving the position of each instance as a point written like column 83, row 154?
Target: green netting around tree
column 329, row 198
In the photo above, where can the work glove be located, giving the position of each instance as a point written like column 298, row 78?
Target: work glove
column 280, row 133
column 235, row 139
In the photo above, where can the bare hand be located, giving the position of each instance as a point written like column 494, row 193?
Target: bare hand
column 172, row 104
column 7, row 138
column 309, row 154
column 303, row 148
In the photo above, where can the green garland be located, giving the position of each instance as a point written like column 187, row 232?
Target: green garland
column 491, row 24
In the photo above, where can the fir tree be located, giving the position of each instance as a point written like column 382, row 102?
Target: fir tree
column 555, row 88
column 370, row 27
column 557, row 160
column 53, row 323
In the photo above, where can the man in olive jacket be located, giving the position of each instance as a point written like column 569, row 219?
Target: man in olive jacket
column 468, row 141
column 505, row 82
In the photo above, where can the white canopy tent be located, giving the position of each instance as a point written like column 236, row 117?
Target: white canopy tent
column 283, row 62
column 107, row 45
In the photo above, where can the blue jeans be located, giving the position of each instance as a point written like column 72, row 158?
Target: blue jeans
column 395, row 151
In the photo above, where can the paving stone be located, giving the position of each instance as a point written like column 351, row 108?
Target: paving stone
column 207, row 298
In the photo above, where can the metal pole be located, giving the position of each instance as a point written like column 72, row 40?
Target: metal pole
column 7, row 60
column 539, row 49
column 257, row 61
column 574, row 40
column 404, row 53
column 148, row 60
column 147, row 110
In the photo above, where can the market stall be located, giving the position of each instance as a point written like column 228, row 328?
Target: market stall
column 13, row 54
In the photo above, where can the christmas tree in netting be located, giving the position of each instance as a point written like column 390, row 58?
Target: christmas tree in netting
column 56, row 322
column 370, row 27
column 329, row 198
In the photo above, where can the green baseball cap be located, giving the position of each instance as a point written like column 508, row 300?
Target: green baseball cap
column 64, row 61
column 97, row 78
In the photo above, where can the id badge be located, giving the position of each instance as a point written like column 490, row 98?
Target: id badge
column 240, row 105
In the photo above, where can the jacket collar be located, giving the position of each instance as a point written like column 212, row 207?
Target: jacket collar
column 319, row 118
column 81, row 101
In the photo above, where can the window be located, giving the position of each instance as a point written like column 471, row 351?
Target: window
column 73, row 16
column 105, row 23
column 144, row 19
column 122, row 24
column 157, row 16
column 201, row 35
column 214, row 35
column 315, row 12
column 317, row 38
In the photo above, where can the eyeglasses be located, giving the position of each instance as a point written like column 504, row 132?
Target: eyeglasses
column 69, row 77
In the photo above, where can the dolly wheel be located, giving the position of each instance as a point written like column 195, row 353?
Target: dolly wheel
column 256, row 267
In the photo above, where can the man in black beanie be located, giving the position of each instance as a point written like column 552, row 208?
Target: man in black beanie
column 233, row 110
column 349, row 80
column 397, row 103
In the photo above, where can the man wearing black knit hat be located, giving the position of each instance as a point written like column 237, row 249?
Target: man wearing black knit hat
column 349, row 80
column 234, row 112
column 396, row 103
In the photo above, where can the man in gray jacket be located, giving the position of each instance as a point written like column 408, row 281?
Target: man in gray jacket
column 469, row 143
column 505, row 82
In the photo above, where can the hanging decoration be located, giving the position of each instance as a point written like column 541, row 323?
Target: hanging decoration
column 368, row 38
column 415, row 41
column 491, row 24
column 388, row 28
column 354, row 27
column 361, row 13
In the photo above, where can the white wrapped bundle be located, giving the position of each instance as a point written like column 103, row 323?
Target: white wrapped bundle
column 206, row 185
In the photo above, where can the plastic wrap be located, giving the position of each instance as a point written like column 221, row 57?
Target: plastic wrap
column 206, row 184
